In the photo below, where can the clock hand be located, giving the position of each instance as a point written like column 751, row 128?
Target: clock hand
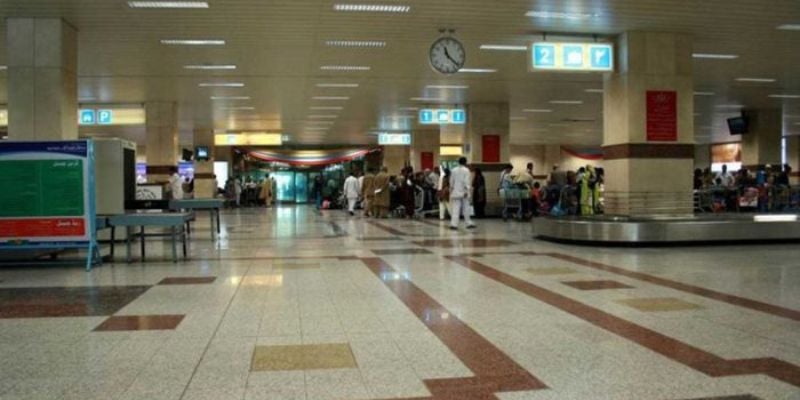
column 447, row 54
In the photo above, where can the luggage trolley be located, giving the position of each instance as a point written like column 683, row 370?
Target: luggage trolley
column 512, row 199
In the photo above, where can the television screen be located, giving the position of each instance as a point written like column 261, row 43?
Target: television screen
column 201, row 153
column 737, row 126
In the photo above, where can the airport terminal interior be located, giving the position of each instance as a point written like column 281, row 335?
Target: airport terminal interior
column 400, row 199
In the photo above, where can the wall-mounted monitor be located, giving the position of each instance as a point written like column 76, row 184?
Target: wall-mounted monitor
column 738, row 125
column 201, row 153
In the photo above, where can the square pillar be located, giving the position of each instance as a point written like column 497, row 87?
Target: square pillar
column 424, row 141
column 161, row 133
column 762, row 144
column 395, row 158
column 42, row 79
column 205, row 185
column 487, row 119
column 649, row 174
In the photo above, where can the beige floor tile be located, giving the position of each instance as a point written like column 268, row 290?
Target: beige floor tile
column 303, row 357
column 659, row 304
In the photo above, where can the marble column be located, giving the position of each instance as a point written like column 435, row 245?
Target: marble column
column 42, row 79
column 424, row 141
column 205, row 185
column 395, row 158
column 793, row 157
column 762, row 144
column 645, row 174
column 162, row 133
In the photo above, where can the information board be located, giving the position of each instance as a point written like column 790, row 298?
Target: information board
column 571, row 57
column 394, row 139
column 662, row 116
column 48, row 200
column 442, row 116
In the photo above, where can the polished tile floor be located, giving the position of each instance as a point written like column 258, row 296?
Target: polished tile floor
column 287, row 304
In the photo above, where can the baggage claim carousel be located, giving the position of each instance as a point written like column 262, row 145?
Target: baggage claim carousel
column 662, row 230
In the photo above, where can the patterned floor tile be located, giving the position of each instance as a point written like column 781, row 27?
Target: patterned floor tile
column 391, row 252
column 303, row 357
column 187, row 280
column 66, row 301
column 659, row 304
column 140, row 323
column 597, row 285
column 551, row 271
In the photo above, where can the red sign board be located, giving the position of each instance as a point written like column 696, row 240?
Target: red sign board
column 426, row 160
column 42, row 227
column 491, row 148
column 662, row 116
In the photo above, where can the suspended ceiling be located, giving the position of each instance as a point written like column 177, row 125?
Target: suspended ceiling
column 279, row 46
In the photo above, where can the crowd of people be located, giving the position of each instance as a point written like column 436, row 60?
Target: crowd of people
column 409, row 194
column 765, row 189
column 247, row 192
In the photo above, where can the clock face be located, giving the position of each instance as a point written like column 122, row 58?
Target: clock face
column 447, row 55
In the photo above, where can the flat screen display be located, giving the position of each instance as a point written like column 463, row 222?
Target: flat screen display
column 737, row 126
column 201, row 153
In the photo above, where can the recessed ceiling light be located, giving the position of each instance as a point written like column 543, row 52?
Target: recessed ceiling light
column 730, row 106
column 323, row 116
column 716, row 56
column 704, row 93
column 517, row 118
column 345, row 68
column 331, row 108
column 356, row 43
column 503, row 47
column 230, row 97
column 210, row 67
column 382, row 8
column 785, row 96
column 766, row 80
column 239, row 108
column 193, row 42
column 337, row 85
column 167, row 4
column 566, row 101
column 431, row 99
column 320, row 122
column 537, row 110
column 789, row 27
column 594, row 91
column 337, row 98
column 221, row 84
column 478, row 70
column 559, row 15
column 447, row 87
column 3, row 67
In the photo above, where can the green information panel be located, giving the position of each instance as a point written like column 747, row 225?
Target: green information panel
column 41, row 188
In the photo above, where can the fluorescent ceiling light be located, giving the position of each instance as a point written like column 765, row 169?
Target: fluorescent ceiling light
column 789, row 27
column 594, row 91
column 716, row 56
column 239, row 108
column 704, row 93
column 345, row 68
column 432, row 99
column 517, row 118
column 221, row 84
column 537, row 110
column 167, row 4
column 566, row 101
column 323, row 116
column 210, row 67
column 356, row 43
column 447, row 87
column 478, row 70
column 317, row 128
column 194, row 42
column 410, row 108
column 337, row 85
column 230, row 97
column 332, row 108
column 559, row 15
column 383, row 8
column 503, row 47
column 730, row 106
column 775, row 218
column 785, row 96
column 755, row 80
column 319, row 122
column 331, row 98
column 3, row 67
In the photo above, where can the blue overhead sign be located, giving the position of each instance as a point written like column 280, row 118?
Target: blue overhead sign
column 551, row 56
column 394, row 139
column 104, row 117
column 87, row 117
column 442, row 116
